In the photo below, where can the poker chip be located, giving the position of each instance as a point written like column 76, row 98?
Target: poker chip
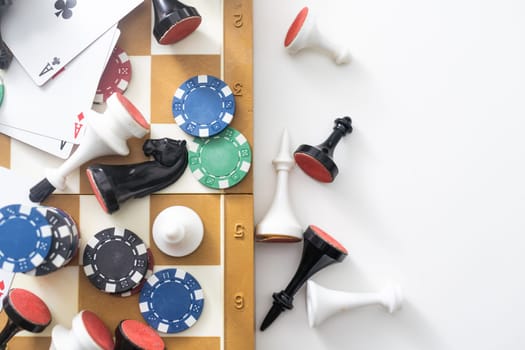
column 116, row 75
column 75, row 234
column 149, row 272
column 171, row 301
column 62, row 243
column 1, row 90
column 25, row 238
column 115, row 260
column 203, row 106
column 221, row 161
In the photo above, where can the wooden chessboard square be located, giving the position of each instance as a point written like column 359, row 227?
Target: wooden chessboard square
column 205, row 40
column 51, row 287
column 135, row 30
column 208, row 207
column 169, row 72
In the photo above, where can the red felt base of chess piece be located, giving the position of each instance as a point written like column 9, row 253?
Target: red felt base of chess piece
column 174, row 21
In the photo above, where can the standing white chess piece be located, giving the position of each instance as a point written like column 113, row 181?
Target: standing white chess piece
column 280, row 224
column 322, row 302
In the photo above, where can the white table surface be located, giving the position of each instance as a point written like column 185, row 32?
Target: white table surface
column 431, row 189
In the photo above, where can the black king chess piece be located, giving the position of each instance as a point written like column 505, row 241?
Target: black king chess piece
column 319, row 250
column 114, row 184
column 317, row 161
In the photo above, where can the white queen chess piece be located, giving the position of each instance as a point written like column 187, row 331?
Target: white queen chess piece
column 280, row 224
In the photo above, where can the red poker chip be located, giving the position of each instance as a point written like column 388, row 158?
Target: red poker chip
column 116, row 76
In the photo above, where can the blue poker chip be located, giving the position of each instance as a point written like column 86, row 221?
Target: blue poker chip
column 25, row 238
column 171, row 301
column 203, row 106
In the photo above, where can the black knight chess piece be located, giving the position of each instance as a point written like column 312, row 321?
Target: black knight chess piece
column 114, row 184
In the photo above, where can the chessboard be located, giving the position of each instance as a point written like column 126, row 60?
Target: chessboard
column 224, row 262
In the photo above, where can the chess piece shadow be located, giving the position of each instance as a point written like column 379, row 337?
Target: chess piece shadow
column 114, row 184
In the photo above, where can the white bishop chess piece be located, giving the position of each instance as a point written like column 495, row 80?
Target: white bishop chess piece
column 321, row 302
column 280, row 224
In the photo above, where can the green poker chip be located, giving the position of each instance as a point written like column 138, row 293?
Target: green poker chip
column 220, row 161
column 1, row 91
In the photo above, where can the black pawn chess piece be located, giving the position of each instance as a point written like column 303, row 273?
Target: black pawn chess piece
column 319, row 251
column 174, row 21
column 114, row 184
column 134, row 335
column 25, row 311
column 317, row 161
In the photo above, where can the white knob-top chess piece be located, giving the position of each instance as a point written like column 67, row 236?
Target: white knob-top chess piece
column 280, row 224
column 305, row 33
column 178, row 231
column 106, row 134
column 321, row 302
column 88, row 332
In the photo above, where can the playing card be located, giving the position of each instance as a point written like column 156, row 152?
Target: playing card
column 58, row 148
column 45, row 35
column 6, row 278
column 54, row 110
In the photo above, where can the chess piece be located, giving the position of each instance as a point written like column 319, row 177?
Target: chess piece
column 319, row 251
column 280, row 224
column 106, row 134
column 317, row 161
column 88, row 332
column 25, row 311
column 178, row 231
column 321, row 302
column 135, row 335
column 114, row 184
column 305, row 33
column 5, row 54
column 174, row 21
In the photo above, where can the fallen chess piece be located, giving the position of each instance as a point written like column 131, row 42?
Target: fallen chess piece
column 88, row 332
column 135, row 335
column 279, row 224
column 174, row 21
column 317, row 161
column 114, row 184
column 25, row 311
column 305, row 33
column 319, row 250
column 178, row 231
column 106, row 134
column 321, row 302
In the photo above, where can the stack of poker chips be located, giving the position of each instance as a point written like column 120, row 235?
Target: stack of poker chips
column 36, row 240
column 117, row 261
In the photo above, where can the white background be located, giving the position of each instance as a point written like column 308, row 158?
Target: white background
column 431, row 189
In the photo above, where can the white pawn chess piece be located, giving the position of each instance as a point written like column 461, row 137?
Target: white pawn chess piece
column 106, row 134
column 280, row 224
column 87, row 332
column 178, row 231
column 322, row 302
column 305, row 33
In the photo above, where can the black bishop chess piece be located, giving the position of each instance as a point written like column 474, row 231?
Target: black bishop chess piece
column 25, row 312
column 319, row 250
column 174, row 21
column 114, row 184
column 317, row 161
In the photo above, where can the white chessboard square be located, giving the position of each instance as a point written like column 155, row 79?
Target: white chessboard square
column 207, row 39
column 126, row 217
column 139, row 88
column 35, row 169
column 187, row 183
column 50, row 288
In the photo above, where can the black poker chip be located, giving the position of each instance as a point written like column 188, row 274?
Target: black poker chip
column 62, row 243
column 76, row 234
column 115, row 260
